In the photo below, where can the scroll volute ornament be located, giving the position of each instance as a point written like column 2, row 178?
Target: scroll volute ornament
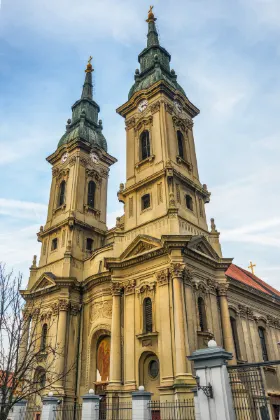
column 116, row 289
column 222, row 289
column 163, row 277
column 129, row 287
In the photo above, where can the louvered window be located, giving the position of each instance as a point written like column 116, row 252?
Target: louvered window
column 91, row 193
column 61, row 197
column 146, row 201
column 180, row 140
column 148, row 315
column 263, row 343
column 201, row 314
column 145, row 145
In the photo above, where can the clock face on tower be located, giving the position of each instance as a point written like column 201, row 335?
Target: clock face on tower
column 143, row 105
column 94, row 157
column 64, row 157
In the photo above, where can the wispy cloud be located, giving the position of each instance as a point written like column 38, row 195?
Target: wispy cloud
column 23, row 209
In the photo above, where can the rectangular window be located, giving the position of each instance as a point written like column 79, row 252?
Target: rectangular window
column 89, row 244
column 54, row 244
column 130, row 207
column 146, row 201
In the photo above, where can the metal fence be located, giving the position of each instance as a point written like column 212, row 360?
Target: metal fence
column 115, row 410
column 248, row 391
column 178, row 410
column 31, row 413
column 68, row 412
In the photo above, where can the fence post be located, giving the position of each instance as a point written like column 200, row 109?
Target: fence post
column 140, row 404
column 49, row 404
column 90, row 410
column 210, row 366
column 18, row 410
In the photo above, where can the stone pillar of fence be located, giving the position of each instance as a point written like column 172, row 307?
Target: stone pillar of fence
column 214, row 397
column 140, row 404
column 49, row 405
column 90, row 410
column 18, row 410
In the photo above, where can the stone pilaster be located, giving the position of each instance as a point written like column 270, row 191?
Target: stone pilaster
column 115, row 355
column 129, row 343
column 63, row 308
column 226, row 326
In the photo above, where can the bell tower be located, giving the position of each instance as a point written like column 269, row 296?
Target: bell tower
column 76, row 220
column 162, row 180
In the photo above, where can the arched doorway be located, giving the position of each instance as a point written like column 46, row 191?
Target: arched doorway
column 149, row 373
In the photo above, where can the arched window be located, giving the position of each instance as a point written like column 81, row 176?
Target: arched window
column 145, row 145
column 61, row 197
column 180, row 141
column 261, row 331
column 146, row 201
column 148, row 315
column 202, row 314
column 189, row 202
column 235, row 336
column 42, row 379
column 91, row 193
column 44, row 337
column 103, row 359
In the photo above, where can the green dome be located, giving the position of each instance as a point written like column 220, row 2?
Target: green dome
column 84, row 132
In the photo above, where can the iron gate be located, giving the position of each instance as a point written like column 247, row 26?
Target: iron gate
column 250, row 401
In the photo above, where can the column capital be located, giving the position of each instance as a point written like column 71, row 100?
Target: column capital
column 222, row 289
column 242, row 311
column 63, row 305
column 177, row 270
column 116, row 288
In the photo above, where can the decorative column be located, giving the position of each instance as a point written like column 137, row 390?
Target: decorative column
column 62, row 308
column 181, row 341
column 226, row 326
column 165, row 330
column 115, row 355
column 129, row 336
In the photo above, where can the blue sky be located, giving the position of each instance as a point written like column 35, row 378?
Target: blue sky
column 227, row 57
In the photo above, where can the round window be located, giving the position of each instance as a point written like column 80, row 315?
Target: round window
column 153, row 369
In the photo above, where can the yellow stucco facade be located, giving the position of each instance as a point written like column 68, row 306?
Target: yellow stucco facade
column 154, row 287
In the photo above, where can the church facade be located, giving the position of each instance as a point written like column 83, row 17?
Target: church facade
column 129, row 304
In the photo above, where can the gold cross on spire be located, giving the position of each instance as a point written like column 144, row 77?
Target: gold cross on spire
column 251, row 267
column 89, row 60
column 151, row 9
column 89, row 68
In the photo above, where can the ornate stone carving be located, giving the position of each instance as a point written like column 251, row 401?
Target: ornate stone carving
column 146, row 289
column 116, row 289
column 75, row 308
column 242, row 311
column 64, row 305
column 178, row 123
column 155, row 107
column 84, row 161
column 130, row 123
column 55, row 308
column 163, row 277
column 63, row 174
column 250, row 314
column 144, row 122
column 188, row 276
column 147, row 343
column 101, row 310
column 91, row 173
column 177, row 269
column 211, row 286
column 72, row 160
column 55, row 171
column 35, row 314
column 169, row 108
column 129, row 287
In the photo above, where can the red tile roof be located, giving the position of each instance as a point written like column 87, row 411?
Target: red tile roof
column 245, row 277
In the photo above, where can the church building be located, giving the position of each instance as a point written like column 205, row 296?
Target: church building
column 127, row 305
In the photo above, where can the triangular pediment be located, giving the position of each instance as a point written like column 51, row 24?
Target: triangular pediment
column 140, row 245
column 202, row 246
column 45, row 281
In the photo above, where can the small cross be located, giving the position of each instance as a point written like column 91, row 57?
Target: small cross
column 89, row 60
column 251, row 267
column 151, row 9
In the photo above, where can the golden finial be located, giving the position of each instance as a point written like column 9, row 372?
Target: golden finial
column 251, row 267
column 151, row 17
column 89, row 68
